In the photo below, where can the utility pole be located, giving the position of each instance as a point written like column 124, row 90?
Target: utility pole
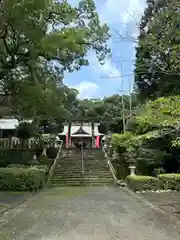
column 130, row 98
column 122, row 101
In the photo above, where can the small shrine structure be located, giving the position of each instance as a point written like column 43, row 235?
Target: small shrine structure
column 76, row 132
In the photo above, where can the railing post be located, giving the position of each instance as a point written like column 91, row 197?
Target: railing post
column 54, row 164
column 82, row 162
column 111, row 167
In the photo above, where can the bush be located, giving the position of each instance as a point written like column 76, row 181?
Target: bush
column 142, row 183
column 15, row 166
column 170, row 181
column 15, row 156
column 19, row 179
column 43, row 159
column 42, row 167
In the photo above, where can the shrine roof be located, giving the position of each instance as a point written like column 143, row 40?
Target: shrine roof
column 80, row 131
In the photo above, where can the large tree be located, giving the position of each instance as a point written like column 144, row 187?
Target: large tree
column 39, row 37
column 157, row 71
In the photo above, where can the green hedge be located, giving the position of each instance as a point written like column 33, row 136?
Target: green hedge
column 20, row 179
column 15, row 156
column 17, row 166
column 142, row 183
column 25, row 156
column 170, row 181
column 43, row 167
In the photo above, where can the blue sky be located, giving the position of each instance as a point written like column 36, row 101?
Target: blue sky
column 97, row 81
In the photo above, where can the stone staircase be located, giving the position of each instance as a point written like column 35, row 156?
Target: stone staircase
column 68, row 171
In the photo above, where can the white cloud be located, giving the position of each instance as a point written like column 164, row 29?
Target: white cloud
column 87, row 89
column 121, row 11
column 134, row 11
column 108, row 69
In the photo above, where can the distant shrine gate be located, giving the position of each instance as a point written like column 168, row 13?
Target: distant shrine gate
column 86, row 133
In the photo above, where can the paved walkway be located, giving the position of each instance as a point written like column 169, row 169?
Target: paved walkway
column 102, row 213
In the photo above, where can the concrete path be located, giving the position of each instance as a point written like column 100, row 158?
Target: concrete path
column 102, row 213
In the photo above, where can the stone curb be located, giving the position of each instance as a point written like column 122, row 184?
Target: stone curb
column 147, row 203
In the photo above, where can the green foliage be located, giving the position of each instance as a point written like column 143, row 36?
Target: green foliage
column 45, row 168
column 15, row 166
column 19, row 179
column 157, row 55
column 26, row 130
column 155, row 135
column 39, row 45
column 170, row 181
column 142, row 183
column 162, row 182
column 15, row 156
column 123, row 140
column 158, row 171
column 108, row 111
column 43, row 159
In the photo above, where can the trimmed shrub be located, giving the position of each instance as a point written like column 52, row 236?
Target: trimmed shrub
column 42, row 167
column 15, row 166
column 142, row 183
column 20, row 179
column 170, row 181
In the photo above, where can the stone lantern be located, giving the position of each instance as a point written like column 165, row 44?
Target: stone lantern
column 132, row 170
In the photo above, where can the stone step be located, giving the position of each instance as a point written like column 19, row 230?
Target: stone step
column 80, row 172
column 103, row 163
column 80, row 184
column 81, row 180
column 68, row 171
column 80, row 156
column 74, row 159
column 91, row 166
column 80, row 176
column 75, row 168
column 86, row 169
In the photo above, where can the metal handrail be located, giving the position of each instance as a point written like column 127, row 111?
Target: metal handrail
column 111, row 167
column 82, row 162
column 54, row 163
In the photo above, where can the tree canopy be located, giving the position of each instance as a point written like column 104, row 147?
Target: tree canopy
column 157, row 71
column 39, row 40
column 108, row 111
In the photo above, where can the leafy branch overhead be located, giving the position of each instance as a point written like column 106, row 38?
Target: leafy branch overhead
column 40, row 40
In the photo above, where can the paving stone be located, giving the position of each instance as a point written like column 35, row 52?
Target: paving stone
column 87, row 213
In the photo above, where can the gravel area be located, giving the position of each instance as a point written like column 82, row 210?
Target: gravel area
column 85, row 214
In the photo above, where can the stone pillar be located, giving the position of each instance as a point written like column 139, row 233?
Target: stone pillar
column 93, row 138
column 69, row 134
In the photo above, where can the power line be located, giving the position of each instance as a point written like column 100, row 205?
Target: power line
column 120, row 76
column 141, row 72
